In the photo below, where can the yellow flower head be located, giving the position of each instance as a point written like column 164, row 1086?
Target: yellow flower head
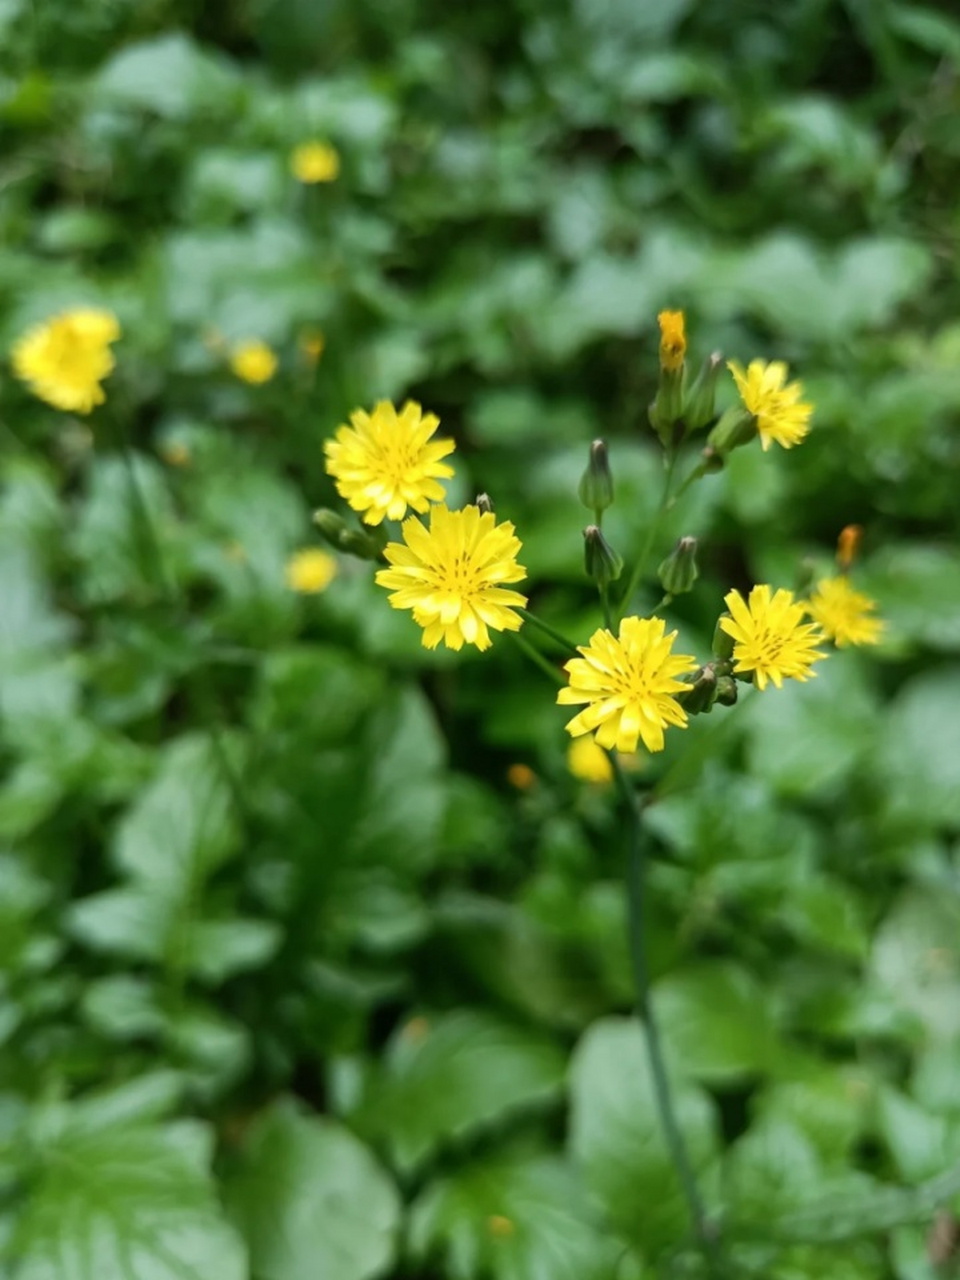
column 673, row 339
column 253, row 362
column 771, row 640
column 315, row 162
column 386, row 461
column 629, row 683
column 588, row 762
column 781, row 415
column 452, row 576
column 65, row 359
column 310, row 571
column 522, row 777
column 844, row 614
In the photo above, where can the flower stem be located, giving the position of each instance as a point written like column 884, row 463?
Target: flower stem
column 547, row 630
column 537, row 657
column 653, row 529
column 636, row 887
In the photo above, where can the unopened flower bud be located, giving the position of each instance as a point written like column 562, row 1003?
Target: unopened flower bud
column 848, row 544
column 737, row 426
column 726, row 691
column 701, row 693
column 596, row 483
column 698, row 411
column 679, row 571
column 483, row 504
column 335, row 530
column 600, row 560
column 667, row 409
column 722, row 643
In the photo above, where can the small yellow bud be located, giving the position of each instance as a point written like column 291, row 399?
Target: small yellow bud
column 848, row 545
column 522, row 777
column 500, row 1227
column 673, row 339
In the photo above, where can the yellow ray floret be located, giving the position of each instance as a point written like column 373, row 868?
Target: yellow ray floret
column 386, row 461
column 771, row 640
column 629, row 683
column 452, row 576
column 782, row 417
column 65, row 359
column 844, row 614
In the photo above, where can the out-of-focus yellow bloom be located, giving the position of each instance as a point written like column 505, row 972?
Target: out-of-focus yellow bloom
column 315, row 161
column 386, row 461
column 844, row 614
column 673, row 339
column 775, row 403
column 522, row 777
column 175, row 452
column 771, row 640
column 588, row 762
column 312, row 345
column 310, row 571
column 629, row 683
column 65, row 359
column 452, row 576
column 848, row 544
column 253, row 362
column 501, row 1227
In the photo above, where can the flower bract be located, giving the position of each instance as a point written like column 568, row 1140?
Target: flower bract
column 629, row 683
column 771, row 640
column 782, row 417
column 314, row 162
column 310, row 571
column 253, row 362
column 65, row 359
column 844, row 614
column 452, row 576
column 387, row 461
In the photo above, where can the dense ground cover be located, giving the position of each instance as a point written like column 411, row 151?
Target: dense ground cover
column 313, row 950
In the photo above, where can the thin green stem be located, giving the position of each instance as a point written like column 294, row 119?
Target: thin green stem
column 636, row 888
column 605, row 604
column 547, row 630
column 536, row 657
column 653, row 529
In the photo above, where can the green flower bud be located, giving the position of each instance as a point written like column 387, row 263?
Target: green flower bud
column 679, row 571
column 596, row 483
column 726, row 691
column 698, row 411
column 335, row 530
column 666, row 411
column 699, row 697
column 601, row 562
column 722, row 643
column 484, row 504
column 736, row 427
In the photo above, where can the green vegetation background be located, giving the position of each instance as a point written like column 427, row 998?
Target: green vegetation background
column 294, row 985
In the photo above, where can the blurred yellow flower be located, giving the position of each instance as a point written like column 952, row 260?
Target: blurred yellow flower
column 451, row 576
column 312, row 344
column 628, row 683
column 310, row 571
column 386, row 461
column 315, row 162
column 844, row 614
column 775, row 403
column 522, row 777
column 848, row 544
column 588, row 762
column 673, row 339
column 65, row 359
column 771, row 640
column 175, row 452
column 253, row 362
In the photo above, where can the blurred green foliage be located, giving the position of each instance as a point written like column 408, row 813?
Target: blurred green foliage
column 293, row 984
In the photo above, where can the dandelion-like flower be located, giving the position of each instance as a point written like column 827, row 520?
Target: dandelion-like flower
column 771, row 639
column 253, row 362
column 452, row 576
column 65, row 359
column 844, row 614
column 673, row 339
column 386, row 461
column 314, row 162
column 629, row 683
column 310, row 571
column 781, row 415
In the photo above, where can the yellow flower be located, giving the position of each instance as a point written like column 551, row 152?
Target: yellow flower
column 629, row 682
column 522, row 777
column 65, row 359
column 175, row 452
column 312, row 345
column 452, row 574
column 253, row 362
column 310, row 571
column 673, row 339
column 315, row 162
column 588, row 762
column 848, row 544
column 771, row 640
column 844, row 614
column 781, row 415
column 386, row 462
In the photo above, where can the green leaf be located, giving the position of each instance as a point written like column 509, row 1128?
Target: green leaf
column 311, row 1200
column 922, row 1145
column 916, row 958
column 446, row 1078
column 918, row 755
column 514, row 1218
column 773, row 1167
column 125, row 1202
column 917, row 588
column 716, row 1022
column 170, row 76
column 616, row 1134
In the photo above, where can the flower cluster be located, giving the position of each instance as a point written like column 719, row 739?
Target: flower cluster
column 65, row 359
